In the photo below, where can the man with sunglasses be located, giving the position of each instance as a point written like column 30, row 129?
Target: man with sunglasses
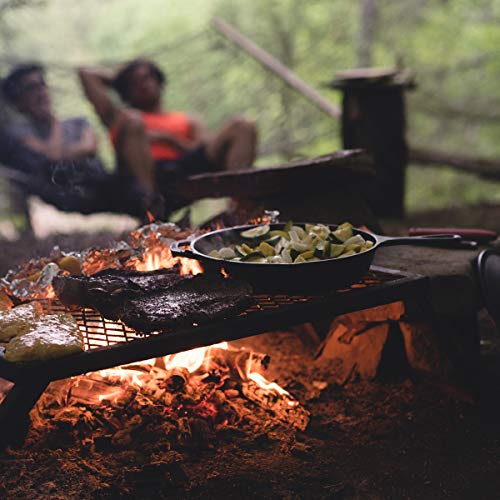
column 36, row 126
column 57, row 159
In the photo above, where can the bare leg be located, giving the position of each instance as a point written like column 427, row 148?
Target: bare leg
column 234, row 146
column 132, row 149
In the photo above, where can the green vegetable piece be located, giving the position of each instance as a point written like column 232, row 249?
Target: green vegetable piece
column 227, row 253
column 275, row 259
column 300, row 232
column 247, row 249
column 251, row 257
column 288, row 226
column 346, row 254
column 353, row 247
column 255, row 232
column 357, row 239
column 239, row 251
column 336, row 250
column 259, row 260
column 307, row 255
column 322, row 250
column 280, row 233
column 343, row 232
column 266, row 249
column 274, row 240
column 320, row 231
column 215, row 254
column 299, row 259
column 333, row 239
column 366, row 246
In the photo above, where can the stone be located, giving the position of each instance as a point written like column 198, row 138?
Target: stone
column 358, row 358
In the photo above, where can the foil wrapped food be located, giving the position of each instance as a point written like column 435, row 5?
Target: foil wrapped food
column 34, row 279
column 49, row 337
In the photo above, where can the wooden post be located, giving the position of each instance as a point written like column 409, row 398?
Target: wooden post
column 373, row 118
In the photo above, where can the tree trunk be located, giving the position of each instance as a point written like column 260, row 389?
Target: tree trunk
column 368, row 19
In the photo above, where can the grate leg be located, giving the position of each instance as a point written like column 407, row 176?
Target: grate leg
column 14, row 411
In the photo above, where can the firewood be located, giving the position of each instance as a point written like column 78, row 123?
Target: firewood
column 284, row 407
column 121, row 438
column 176, row 379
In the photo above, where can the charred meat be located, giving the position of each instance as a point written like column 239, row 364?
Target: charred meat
column 108, row 289
column 157, row 300
column 200, row 300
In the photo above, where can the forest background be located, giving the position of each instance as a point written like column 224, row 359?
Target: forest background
column 452, row 46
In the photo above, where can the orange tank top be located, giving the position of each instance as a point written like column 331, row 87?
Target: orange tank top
column 176, row 124
column 173, row 123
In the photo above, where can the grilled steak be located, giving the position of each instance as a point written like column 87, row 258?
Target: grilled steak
column 108, row 289
column 203, row 298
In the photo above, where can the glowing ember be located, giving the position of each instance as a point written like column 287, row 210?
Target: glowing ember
column 265, row 384
column 190, row 381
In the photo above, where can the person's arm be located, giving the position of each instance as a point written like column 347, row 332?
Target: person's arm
column 96, row 84
column 86, row 146
column 53, row 147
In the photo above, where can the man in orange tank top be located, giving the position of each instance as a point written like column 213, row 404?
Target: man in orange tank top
column 157, row 146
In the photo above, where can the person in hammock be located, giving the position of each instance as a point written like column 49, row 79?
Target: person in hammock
column 36, row 125
column 156, row 145
column 57, row 158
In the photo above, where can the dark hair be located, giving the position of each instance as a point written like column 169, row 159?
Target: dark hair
column 10, row 85
column 121, row 81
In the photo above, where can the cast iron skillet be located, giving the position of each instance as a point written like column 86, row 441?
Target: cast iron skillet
column 307, row 277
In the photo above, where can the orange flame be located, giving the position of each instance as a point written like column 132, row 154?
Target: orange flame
column 162, row 258
column 198, row 362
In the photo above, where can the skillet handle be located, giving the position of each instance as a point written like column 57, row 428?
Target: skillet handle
column 177, row 251
column 434, row 240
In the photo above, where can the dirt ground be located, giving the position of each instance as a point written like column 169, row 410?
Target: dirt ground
column 397, row 437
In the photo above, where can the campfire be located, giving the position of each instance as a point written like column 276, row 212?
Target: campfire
column 193, row 394
column 192, row 397
column 124, row 388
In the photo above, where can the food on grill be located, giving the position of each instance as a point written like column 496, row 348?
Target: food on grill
column 155, row 300
column 49, row 337
column 203, row 298
column 5, row 302
column 107, row 289
column 71, row 264
column 294, row 244
column 18, row 320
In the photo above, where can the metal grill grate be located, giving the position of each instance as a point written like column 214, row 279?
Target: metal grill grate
column 100, row 332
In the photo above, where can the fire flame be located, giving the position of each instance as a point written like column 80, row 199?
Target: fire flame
column 196, row 362
column 161, row 258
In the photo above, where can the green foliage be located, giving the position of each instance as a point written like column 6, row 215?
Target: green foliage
column 452, row 46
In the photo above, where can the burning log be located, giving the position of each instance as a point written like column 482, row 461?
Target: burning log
column 117, row 408
column 177, row 379
column 279, row 402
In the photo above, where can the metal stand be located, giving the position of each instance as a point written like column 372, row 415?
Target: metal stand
column 14, row 411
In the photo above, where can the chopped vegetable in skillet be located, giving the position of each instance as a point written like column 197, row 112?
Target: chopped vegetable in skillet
column 294, row 244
